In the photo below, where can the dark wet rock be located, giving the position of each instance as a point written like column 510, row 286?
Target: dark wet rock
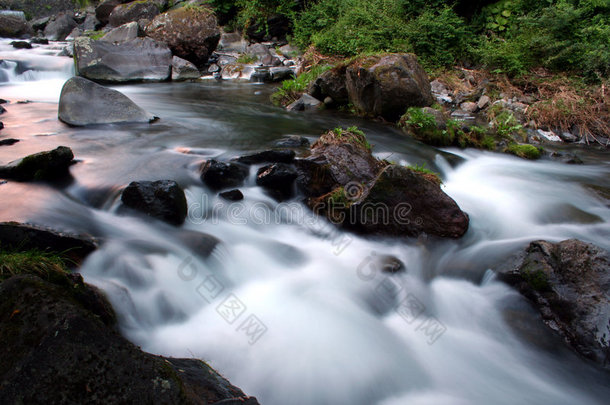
column 192, row 33
column 569, row 283
column 232, row 195
column 336, row 161
column 345, row 183
column 133, row 11
column 268, row 156
column 2, row 110
column 9, row 141
column 304, row 103
column 61, row 344
column 2, row 127
column 331, row 83
column 49, row 165
column 140, row 59
column 21, row 45
column 277, row 178
column 39, row 24
column 83, row 102
column 26, row 237
column 105, row 8
column 261, row 74
column 184, row 70
column 59, row 27
column 386, row 85
column 39, row 41
column 123, row 33
column 13, row 25
column 292, row 141
column 162, row 199
column 411, row 204
column 218, row 175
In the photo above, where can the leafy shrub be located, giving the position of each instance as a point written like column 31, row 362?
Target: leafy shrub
column 291, row 90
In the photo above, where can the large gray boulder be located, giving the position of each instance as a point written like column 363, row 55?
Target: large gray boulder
column 386, row 85
column 140, row 59
column 134, row 11
column 83, row 102
column 60, row 27
column 569, row 283
column 123, row 33
column 13, row 25
column 192, row 32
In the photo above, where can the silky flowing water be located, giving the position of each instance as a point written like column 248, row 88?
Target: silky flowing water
column 287, row 307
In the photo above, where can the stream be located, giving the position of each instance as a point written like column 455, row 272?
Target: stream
column 287, row 307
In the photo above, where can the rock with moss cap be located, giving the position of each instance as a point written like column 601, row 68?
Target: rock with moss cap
column 569, row 283
column 61, row 345
column 191, row 32
column 49, row 165
column 386, row 85
column 353, row 189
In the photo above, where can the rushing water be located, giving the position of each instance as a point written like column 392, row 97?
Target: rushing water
column 315, row 321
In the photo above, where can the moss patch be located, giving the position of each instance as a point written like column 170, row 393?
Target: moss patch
column 524, row 151
column 47, row 266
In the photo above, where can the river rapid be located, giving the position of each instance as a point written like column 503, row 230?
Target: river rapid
column 287, row 307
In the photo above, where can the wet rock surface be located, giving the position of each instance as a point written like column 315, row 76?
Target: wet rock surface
column 569, row 283
column 162, row 199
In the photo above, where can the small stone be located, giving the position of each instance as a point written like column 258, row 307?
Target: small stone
column 232, row 195
column 268, row 156
column 21, row 45
column 218, row 175
column 305, row 103
column 483, row 102
column 469, row 106
column 292, row 141
column 9, row 141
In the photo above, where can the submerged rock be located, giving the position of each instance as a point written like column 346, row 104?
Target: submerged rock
column 192, row 33
column 232, row 195
column 21, row 45
column 218, row 175
column 163, row 199
column 268, row 156
column 49, row 165
column 569, row 283
column 278, row 179
column 26, row 237
column 139, row 59
column 61, row 343
column 83, row 102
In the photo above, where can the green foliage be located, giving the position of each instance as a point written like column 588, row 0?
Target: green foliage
column 291, row 90
column 351, row 27
column 47, row 266
column 423, row 128
column 504, row 123
column 256, row 11
column 246, row 58
column 353, row 135
column 422, row 169
column 560, row 35
column 524, row 151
